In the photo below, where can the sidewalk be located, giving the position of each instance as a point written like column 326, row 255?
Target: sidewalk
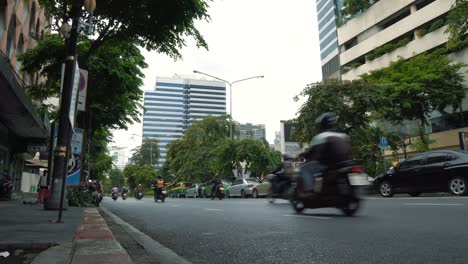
column 95, row 243
column 27, row 228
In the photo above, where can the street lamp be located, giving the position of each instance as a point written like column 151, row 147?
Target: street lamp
column 230, row 92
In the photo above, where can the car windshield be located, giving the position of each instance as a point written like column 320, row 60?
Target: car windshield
column 252, row 181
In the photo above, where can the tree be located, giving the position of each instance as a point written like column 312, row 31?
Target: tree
column 412, row 89
column 147, row 154
column 116, row 177
column 99, row 160
column 352, row 101
column 355, row 103
column 154, row 25
column 457, row 24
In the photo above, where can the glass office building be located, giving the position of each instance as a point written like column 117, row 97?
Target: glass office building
column 176, row 103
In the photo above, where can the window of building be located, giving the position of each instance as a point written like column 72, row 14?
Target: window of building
column 449, row 122
column 11, row 36
column 423, row 3
column 32, row 18
column 396, row 18
column 3, row 4
column 19, row 51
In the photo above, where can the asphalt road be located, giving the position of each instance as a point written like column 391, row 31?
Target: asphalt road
column 394, row 230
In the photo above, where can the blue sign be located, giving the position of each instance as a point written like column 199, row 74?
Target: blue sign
column 74, row 160
column 383, row 142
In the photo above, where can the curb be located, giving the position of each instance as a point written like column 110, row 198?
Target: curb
column 95, row 243
column 160, row 253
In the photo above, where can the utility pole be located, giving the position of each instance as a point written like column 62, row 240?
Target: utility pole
column 64, row 134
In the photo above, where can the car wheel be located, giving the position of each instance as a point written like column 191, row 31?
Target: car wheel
column 386, row 189
column 242, row 194
column 414, row 194
column 298, row 206
column 255, row 193
column 457, row 186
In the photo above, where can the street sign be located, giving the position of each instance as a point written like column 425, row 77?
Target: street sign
column 76, row 82
column 383, row 142
column 82, row 89
column 74, row 98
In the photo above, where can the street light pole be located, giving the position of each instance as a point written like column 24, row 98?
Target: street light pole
column 230, row 93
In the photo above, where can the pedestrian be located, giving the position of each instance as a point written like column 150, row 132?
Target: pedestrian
column 43, row 188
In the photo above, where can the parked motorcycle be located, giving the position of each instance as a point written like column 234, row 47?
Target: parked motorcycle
column 115, row 196
column 97, row 198
column 219, row 192
column 161, row 196
column 124, row 196
column 344, row 195
column 6, row 187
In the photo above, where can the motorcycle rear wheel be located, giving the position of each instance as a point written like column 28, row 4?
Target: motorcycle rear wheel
column 351, row 208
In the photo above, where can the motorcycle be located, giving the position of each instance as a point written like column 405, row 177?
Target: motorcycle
column 124, row 196
column 279, row 187
column 139, row 195
column 115, row 196
column 344, row 195
column 97, row 198
column 161, row 196
column 6, row 188
column 219, row 192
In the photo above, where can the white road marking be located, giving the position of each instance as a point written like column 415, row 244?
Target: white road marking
column 435, row 204
column 175, row 205
column 212, row 209
column 207, row 234
column 310, row 216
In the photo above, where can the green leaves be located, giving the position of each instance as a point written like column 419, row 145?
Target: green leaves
column 148, row 153
column 457, row 24
column 206, row 152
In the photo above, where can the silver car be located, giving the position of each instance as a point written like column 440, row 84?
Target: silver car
column 243, row 188
column 193, row 191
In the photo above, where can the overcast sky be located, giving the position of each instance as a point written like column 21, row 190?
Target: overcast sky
column 275, row 38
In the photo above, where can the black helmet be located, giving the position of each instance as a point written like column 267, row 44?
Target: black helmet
column 327, row 121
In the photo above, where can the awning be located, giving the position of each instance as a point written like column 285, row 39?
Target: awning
column 16, row 109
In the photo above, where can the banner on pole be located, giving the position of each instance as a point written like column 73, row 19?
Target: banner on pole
column 82, row 90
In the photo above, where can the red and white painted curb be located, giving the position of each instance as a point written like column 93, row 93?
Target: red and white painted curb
column 95, row 243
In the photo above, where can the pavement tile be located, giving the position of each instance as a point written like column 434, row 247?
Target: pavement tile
column 93, row 234
column 92, row 246
column 114, row 258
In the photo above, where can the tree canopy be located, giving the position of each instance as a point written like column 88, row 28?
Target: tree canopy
column 147, row 154
column 206, row 152
column 457, row 24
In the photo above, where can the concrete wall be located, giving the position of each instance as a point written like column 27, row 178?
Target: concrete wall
column 402, row 27
column 415, row 47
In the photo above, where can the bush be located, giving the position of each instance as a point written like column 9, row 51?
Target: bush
column 387, row 48
column 78, row 198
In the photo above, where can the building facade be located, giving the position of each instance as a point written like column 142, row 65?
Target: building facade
column 412, row 27
column 328, row 16
column 119, row 157
column 176, row 103
column 23, row 131
column 251, row 131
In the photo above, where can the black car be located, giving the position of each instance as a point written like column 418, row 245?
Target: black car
column 434, row 171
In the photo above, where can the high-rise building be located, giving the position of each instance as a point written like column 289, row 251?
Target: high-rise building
column 251, row 131
column 176, row 103
column 119, row 157
column 328, row 15
column 409, row 27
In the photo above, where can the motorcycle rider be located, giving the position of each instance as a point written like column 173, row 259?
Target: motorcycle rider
column 214, row 186
column 115, row 190
column 329, row 148
column 159, row 187
column 138, row 189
